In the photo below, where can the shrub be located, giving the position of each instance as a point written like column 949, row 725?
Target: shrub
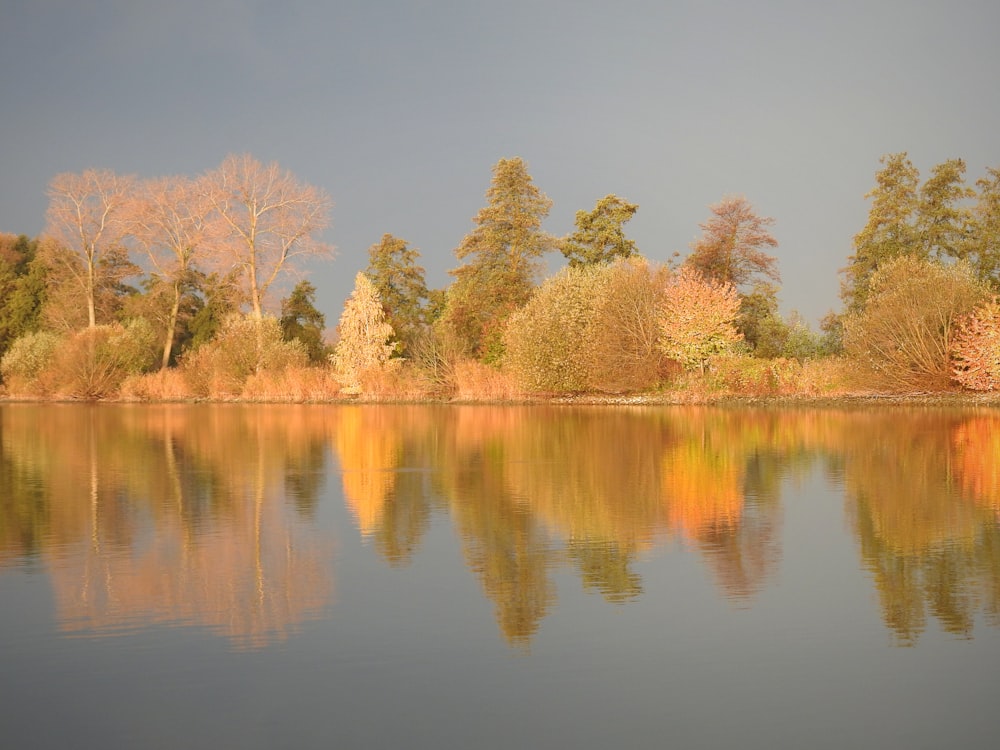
column 743, row 375
column 590, row 328
column 976, row 348
column 902, row 336
column 164, row 385
column 432, row 362
column 94, row 362
column 244, row 345
column 292, row 384
column 547, row 341
column 398, row 381
column 624, row 337
column 27, row 357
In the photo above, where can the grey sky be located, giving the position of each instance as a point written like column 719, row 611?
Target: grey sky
column 400, row 109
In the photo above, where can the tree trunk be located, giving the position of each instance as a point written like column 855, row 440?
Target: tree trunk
column 168, row 344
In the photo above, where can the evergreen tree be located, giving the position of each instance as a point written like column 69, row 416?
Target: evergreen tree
column 889, row 232
column 22, row 289
column 982, row 243
column 942, row 220
column 501, row 261
column 393, row 269
column 365, row 338
column 599, row 237
column 301, row 320
column 926, row 222
column 222, row 298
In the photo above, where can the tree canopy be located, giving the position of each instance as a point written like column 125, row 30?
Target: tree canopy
column 932, row 221
column 268, row 219
column 599, row 235
column 399, row 280
column 501, row 261
column 730, row 249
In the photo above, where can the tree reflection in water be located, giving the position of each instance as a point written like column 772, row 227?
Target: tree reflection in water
column 172, row 514
column 207, row 514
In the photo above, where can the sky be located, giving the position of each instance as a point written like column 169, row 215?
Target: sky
column 399, row 110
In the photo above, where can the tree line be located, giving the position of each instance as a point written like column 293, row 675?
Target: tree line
column 174, row 275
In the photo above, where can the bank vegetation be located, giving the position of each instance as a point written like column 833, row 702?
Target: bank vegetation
column 153, row 290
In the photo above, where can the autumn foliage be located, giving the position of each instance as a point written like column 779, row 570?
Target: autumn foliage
column 697, row 317
column 365, row 335
column 731, row 246
column 976, row 348
column 192, row 259
column 901, row 338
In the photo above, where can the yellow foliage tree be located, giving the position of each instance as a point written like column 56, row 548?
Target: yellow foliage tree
column 365, row 336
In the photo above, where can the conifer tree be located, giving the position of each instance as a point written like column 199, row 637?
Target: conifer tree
column 501, row 261
column 365, row 341
column 301, row 320
column 982, row 244
column 393, row 269
column 599, row 237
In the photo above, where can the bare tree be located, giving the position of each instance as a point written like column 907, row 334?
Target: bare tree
column 88, row 217
column 267, row 220
column 170, row 219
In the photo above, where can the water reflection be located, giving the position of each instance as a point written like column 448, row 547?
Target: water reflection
column 165, row 515
column 207, row 514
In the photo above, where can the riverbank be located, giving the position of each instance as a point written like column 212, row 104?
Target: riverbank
column 948, row 399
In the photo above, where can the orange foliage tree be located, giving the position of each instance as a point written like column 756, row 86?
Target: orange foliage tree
column 730, row 248
column 697, row 317
column 976, row 348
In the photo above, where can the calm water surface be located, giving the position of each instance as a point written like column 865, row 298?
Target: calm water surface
column 498, row 577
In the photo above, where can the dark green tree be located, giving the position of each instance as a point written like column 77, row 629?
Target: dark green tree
column 760, row 321
column 393, row 269
column 22, row 288
column 221, row 297
column 169, row 306
column 599, row 236
column 301, row 320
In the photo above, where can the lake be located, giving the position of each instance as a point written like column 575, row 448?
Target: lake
column 207, row 576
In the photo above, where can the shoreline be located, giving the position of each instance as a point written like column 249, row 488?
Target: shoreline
column 943, row 399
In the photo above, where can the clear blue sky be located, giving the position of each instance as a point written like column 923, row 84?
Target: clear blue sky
column 399, row 110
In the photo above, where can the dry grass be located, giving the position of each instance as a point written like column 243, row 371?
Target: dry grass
column 475, row 381
column 165, row 385
column 470, row 381
column 399, row 383
column 292, row 385
column 748, row 376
